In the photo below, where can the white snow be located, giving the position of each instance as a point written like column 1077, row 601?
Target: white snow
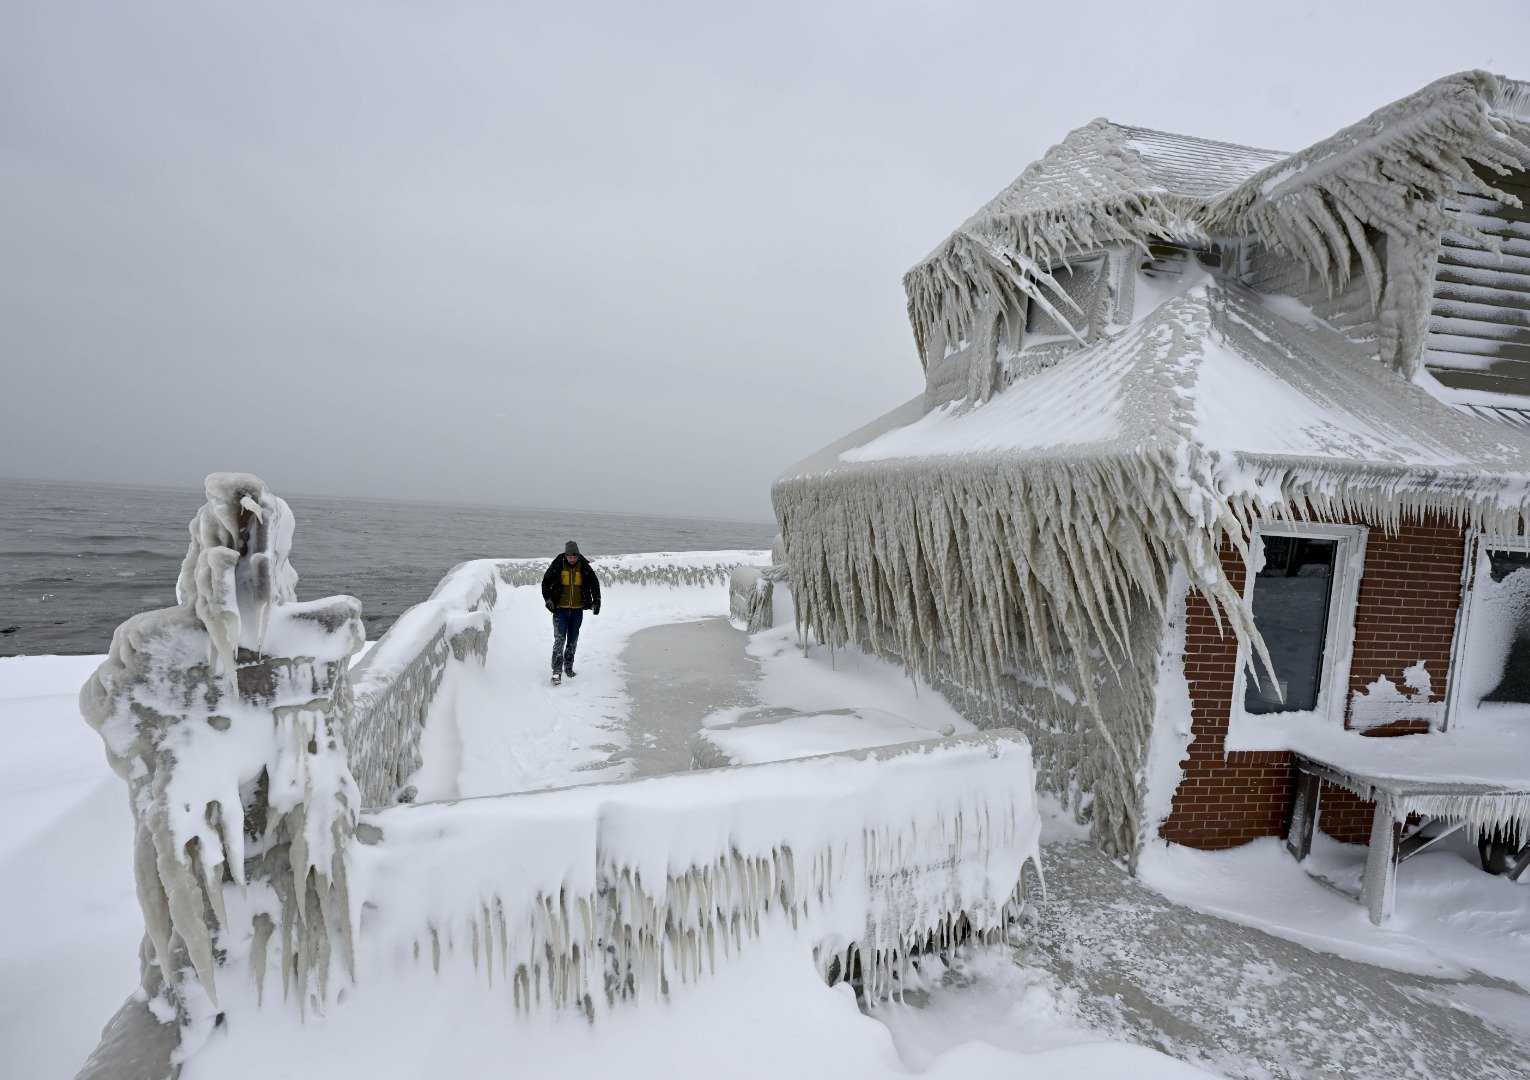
column 1383, row 702
column 69, row 918
column 1450, row 917
column 1048, row 411
column 68, row 833
column 64, row 977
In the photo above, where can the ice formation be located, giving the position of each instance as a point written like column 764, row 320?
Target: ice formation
column 750, row 595
column 1012, row 534
column 227, row 718
column 397, row 681
column 585, row 897
column 1485, row 807
column 1327, row 206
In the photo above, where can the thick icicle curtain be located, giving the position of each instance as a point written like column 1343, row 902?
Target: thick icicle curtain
column 984, row 570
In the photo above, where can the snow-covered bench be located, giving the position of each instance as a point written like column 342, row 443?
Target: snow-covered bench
column 1391, row 774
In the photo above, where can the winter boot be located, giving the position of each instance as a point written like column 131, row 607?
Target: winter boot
column 557, row 678
column 570, row 672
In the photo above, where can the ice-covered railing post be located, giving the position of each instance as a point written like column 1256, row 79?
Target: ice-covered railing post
column 227, row 716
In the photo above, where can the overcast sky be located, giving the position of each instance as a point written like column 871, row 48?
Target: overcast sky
column 635, row 257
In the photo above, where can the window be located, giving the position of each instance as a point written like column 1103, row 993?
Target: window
column 1292, row 595
column 1082, row 282
column 1508, row 588
column 1303, row 599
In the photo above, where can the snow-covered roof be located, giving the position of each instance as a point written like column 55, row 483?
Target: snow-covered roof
column 1109, row 183
column 1108, row 162
column 1222, row 373
column 1194, row 168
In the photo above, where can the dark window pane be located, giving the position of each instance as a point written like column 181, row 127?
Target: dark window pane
column 1291, row 597
column 1510, row 571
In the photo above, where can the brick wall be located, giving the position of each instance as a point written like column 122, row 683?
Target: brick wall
column 1405, row 612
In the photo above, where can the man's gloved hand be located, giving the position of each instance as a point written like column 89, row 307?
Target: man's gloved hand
column 551, row 608
column 595, row 610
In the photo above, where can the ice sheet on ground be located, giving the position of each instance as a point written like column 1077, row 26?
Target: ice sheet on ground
column 1450, row 917
column 1245, row 996
column 506, row 728
column 765, row 735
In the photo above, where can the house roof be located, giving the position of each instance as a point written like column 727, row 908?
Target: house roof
column 1109, row 183
column 1194, row 168
column 1220, row 374
column 1108, row 162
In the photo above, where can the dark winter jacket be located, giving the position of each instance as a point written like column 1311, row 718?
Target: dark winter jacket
column 552, row 584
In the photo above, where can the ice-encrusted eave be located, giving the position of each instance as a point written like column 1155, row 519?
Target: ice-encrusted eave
column 1325, row 206
column 1381, row 493
column 1001, row 258
column 1389, row 174
column 973, row 568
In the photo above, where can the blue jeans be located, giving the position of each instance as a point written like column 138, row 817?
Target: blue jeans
column 565, row 637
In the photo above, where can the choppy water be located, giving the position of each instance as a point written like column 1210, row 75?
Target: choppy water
column 76, row 560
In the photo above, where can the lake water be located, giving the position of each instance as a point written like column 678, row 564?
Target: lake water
column 76, row 560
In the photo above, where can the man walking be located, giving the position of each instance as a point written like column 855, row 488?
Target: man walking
column 568, row 588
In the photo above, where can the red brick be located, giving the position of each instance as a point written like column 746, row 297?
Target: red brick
column 1406, row 612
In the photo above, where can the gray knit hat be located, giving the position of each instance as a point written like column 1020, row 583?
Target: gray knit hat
column 571, row 548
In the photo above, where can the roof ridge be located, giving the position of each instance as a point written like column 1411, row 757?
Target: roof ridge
column 1223, row 143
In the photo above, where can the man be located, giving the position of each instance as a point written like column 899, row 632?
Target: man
column 568, row 588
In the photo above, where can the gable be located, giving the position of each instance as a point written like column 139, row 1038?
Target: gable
column 1479, row 316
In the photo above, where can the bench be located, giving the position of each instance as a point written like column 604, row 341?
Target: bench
column 1397, row 797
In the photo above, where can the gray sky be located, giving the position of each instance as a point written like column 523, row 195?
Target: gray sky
column 634, row 257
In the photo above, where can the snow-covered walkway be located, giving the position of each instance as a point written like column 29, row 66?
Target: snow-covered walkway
column 1242, row 1002
column 677, row 675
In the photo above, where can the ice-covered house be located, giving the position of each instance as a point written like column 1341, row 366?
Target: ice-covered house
column 1222, row 454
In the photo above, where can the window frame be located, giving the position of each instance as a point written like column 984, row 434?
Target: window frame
column 1338, row 653
column 1087, row 328
column 1478, row 546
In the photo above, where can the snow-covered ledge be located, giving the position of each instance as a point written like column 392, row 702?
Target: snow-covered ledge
column 587, row 897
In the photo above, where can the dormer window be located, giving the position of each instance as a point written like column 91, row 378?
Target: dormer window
column 1083, row 282
column 1170, row 260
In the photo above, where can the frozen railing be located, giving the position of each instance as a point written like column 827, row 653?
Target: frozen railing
column 585, row 897
column 396, row 683
column 647, row 568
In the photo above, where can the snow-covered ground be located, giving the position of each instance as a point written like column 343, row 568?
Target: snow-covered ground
column 1115, row 964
